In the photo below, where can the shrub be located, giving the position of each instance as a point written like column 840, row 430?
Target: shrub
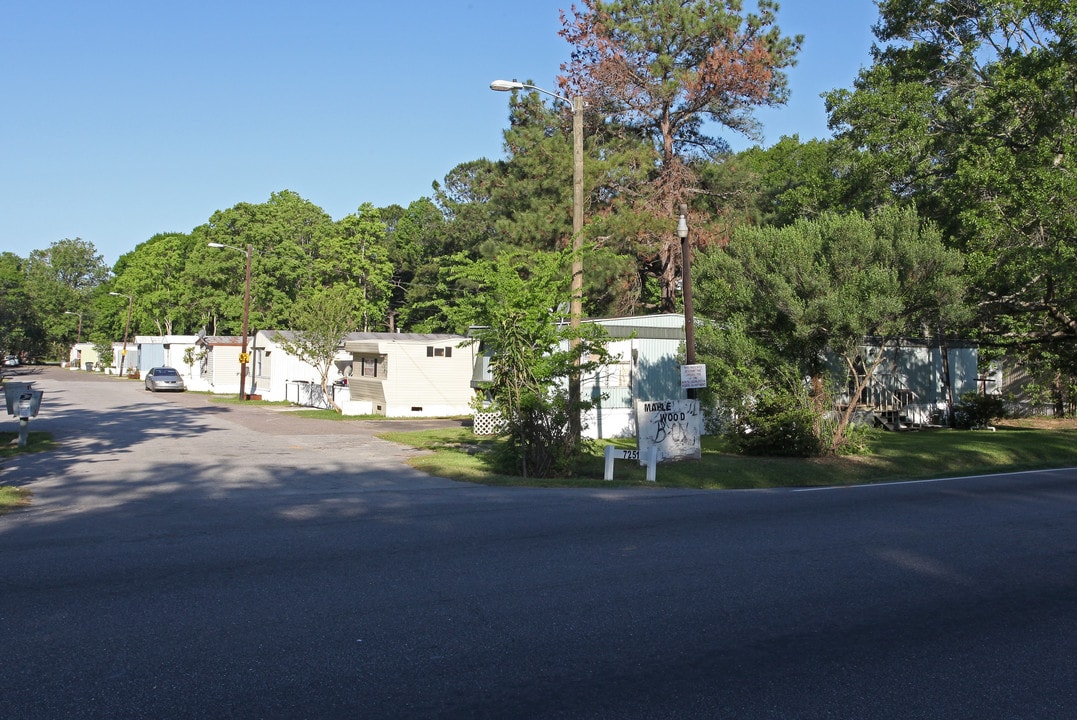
column 777, row 424
column 975, row 410
column 539, row 438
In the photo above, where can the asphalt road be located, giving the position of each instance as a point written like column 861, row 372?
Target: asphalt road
column 184, row 560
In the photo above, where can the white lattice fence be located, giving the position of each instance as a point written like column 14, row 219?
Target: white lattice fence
column 489, row 423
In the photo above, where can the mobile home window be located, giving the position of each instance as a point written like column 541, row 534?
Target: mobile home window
column 369, row 367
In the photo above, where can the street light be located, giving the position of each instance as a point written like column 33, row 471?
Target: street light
column 243, row 358
column 576, row 299
column 127, row 327
column 79, row 338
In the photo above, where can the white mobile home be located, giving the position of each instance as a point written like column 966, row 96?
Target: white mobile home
column 83, row 356
column 171, row 351
column 643, row 366
column 409, row 375
column 219, row 365
column 279, row 375
column 913, row 381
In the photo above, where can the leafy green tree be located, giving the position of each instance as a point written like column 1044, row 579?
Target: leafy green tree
column 667, row 66
column 285, row 233
column 967, row 110
column 464, row 201
column 411, row 233
column 512, row 314
column 319, row 323
column 778, row 185
column 356, row 257
column 60, row 278
column 20, row 329
column 782, row 298
column 153, row 273
column 102, row 345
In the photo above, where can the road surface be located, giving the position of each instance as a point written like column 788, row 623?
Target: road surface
column 187, row 560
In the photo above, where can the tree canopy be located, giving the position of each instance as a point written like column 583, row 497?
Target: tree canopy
column 781, row 299
column 968, row 111
column 666, row 68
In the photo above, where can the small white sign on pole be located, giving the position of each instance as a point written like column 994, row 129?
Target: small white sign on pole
column 671, row 429
column 693, row 377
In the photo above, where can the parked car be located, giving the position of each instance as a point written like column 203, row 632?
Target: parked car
column 11, row 360
column 164, row 378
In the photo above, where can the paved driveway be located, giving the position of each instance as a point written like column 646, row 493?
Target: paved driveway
column 119, row 441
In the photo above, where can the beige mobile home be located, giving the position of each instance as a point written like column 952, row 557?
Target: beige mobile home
column 409, row 375
column 219, row 366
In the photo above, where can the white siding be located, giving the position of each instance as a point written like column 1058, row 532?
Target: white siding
column 414, row 383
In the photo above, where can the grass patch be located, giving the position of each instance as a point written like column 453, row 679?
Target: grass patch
column 331, row 414
column 35, row 442
column 12, row 498
column 234, row 400
column 459, row 455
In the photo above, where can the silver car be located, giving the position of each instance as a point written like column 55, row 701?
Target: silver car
column 164, row 378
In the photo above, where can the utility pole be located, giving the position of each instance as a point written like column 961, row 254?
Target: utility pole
column 686, row 287
column 576, row 301
column 244, row 357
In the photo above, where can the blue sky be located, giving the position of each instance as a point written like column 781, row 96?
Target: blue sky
column 125, row 118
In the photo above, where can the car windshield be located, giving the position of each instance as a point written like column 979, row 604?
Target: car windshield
column 166, row 371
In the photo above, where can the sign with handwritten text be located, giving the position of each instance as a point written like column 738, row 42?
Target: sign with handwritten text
column 673, row 427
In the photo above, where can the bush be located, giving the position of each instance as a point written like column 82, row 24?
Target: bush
column 975, row 410
column 539, row 441
column 778, row 425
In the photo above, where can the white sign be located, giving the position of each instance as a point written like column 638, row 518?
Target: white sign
column 693, row 376
column 671, row 427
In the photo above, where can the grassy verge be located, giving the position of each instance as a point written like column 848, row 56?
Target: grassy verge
column 331, row 414
column 234, row 400
column 459, row 455
column 13, row 497
column 35, row 442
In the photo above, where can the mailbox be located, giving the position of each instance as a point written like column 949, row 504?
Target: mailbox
column 29, row 403
column 12, row 391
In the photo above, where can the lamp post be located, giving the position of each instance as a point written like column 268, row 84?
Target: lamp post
column 126, row 328
column 78, row 339
column 686, row 288
column 576, row 295
column 243, row 357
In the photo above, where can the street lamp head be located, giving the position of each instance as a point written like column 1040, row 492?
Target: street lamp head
column 506, row 85
column 682, row 227
column 216, row 245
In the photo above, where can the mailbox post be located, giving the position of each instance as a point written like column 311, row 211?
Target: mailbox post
column 23, row 402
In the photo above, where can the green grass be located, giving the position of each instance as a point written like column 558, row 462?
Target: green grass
column 331, row 414
column 458, row 455
column 14, row 497
column 35, row 442
column 234, row 400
